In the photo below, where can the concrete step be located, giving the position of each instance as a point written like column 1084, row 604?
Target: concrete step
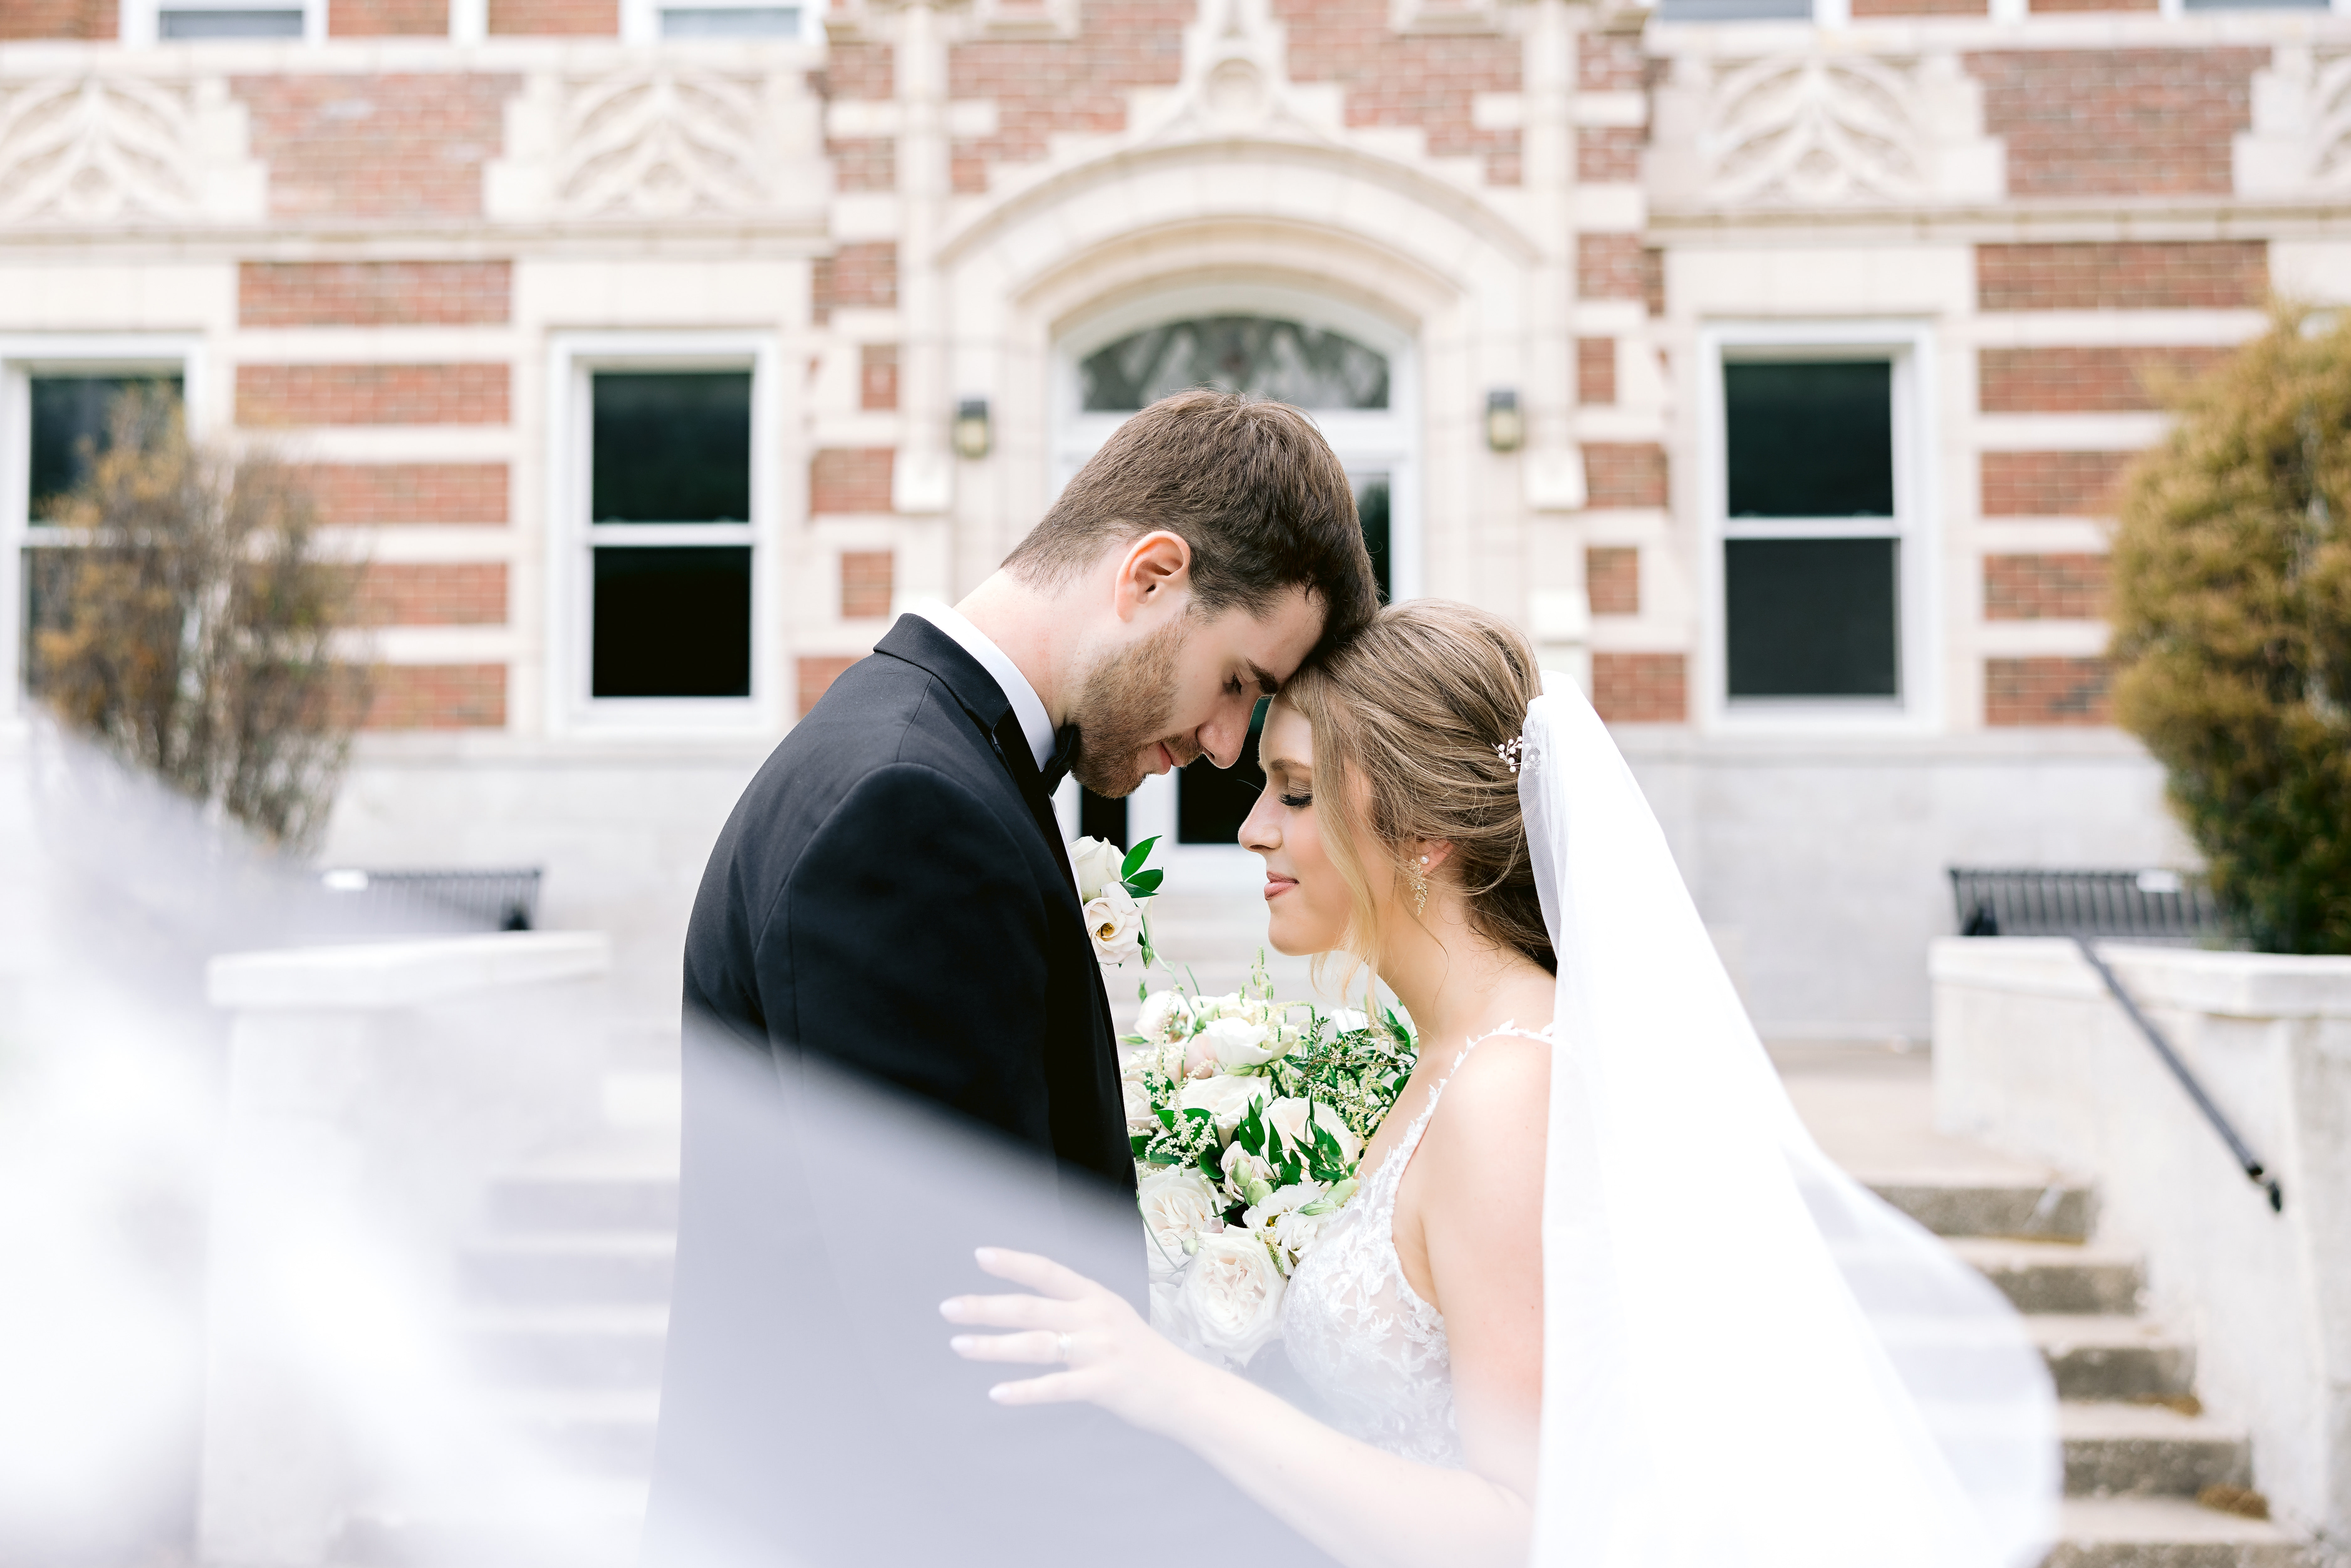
column 2058, row 1211
column 2056, row 1276
column 2113, row 1358
column 559, row 1268
column 2167, row 1532
column 568, row 1347
column 2147, row 1450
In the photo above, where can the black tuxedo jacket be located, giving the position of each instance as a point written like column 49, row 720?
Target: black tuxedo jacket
column 897, row 1047
column 891, row 893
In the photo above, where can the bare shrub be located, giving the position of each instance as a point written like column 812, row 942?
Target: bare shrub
column 189, row 627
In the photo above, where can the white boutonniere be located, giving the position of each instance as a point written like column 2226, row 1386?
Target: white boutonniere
column 1116, row 891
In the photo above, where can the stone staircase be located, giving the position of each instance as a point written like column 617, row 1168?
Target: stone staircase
column 2139, row 1451
column 567, row 1287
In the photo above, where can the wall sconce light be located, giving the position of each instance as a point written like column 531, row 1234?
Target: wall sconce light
column 971, row 427
column 1505, row 427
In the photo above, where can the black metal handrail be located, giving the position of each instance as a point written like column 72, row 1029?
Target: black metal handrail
column 500, row 900
column 2152, row 906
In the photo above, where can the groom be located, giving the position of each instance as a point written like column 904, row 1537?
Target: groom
column 892, row 904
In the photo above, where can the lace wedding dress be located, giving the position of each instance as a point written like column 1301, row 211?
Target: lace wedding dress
column 1357, row 1332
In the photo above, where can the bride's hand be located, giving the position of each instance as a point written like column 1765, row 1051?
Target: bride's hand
column 1114, row 1358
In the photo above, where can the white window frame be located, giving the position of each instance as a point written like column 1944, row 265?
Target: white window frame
column 640, row 20
column 571, row 538
column 1909, row 348
column 23, row 356
column 1364, row 441
column 141, row 23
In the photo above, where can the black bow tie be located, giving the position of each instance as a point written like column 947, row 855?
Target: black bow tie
column 1065, row 752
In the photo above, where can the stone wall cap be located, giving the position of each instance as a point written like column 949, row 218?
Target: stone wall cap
column 377, row 976
column 2228, row 985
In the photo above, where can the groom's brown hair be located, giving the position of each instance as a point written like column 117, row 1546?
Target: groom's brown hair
column 1248, row 484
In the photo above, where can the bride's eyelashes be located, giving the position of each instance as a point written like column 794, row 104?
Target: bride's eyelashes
column 1297, row 802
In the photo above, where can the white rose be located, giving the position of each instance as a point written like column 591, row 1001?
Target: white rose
column 1138, row 1061
column 1288, row 1117
column 1165, row 1015
column 1240, row 1043
column 1178, row 1207
column 1224, row 1098
column 1231, row 1296
column 1096, row 862
column 1115, row 923
column 1140, row 1117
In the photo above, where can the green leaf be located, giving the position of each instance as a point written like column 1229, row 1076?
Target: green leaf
column 1142, row 990
column 1136, row 857
column 1143, row 883
column 1134, row 1039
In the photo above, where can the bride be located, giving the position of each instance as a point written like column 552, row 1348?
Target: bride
column 1598, row 1298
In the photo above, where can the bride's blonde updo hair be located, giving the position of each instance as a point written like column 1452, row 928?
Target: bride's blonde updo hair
column 1406, row 718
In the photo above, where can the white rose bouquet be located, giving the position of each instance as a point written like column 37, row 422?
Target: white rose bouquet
column 1247, row 1118
column 1116, row 891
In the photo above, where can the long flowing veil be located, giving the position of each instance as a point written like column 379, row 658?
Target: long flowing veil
column 1749, row 1359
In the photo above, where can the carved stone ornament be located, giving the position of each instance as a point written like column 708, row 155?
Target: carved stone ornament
column 1809, row 132
column 95, row 148
column 661, row 141
column 2300, row 143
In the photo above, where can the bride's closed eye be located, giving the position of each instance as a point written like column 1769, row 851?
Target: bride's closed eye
column 1297, row 802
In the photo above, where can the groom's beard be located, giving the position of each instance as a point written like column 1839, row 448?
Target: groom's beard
column 1124, row 707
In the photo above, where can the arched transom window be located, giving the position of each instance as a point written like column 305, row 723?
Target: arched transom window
column 1306, row 367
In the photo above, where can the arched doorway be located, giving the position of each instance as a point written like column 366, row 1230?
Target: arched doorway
column 1353, row 372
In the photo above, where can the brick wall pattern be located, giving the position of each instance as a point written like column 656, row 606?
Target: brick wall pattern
column 2085, row 381
column 2062, row 587
column 1610, row 267
column 817, row 673
column 436, row 696
column 556, row 19
column 856, row 276
column 1609, row 154
column 371, row 394
column 2052, row 483
column 1625, row 474
column 863, row 162
column 866, row 580
column 2118, row 123
column 1653, row 280
column 1610, row 62
column 1612, row 579
column 850, row 479
column 1045, row 85
column 374, row 293
column 375, row 495
column 877, row 376
column 2045, row 692
column 867, row 72
column 369, row 146
column 2132, row 275
column 1596, row 370
column 401, row 593
column 1422, row 81
column 59, row 19
column 388, row 19
column 1640, row 688
column 1920, row 7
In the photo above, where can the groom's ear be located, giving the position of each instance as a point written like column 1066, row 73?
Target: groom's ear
column 1152, row 572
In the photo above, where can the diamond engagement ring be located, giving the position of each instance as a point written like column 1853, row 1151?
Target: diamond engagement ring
column 1061, row 1346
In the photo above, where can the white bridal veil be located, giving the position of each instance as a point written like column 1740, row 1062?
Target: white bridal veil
column 1749, row 1361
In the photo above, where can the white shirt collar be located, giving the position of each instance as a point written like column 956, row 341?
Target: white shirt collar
column 1026, row 705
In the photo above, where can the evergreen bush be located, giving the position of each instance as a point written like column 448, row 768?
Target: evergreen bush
column 2232, row 627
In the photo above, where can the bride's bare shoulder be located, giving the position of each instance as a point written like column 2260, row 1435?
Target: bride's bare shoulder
column 1495, row 1104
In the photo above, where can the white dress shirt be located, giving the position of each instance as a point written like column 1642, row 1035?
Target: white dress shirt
column 1026, row 705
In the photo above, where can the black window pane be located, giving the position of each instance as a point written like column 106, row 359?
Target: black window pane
column 672, row 447
column 1811, row 618
column 1810, row 440
column 1304, row 366
column 1100, row 816
column 1212, row 802
column 673, row 622
column 1372, row 509
column 70, row 425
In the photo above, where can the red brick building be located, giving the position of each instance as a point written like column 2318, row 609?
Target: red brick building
column 1772, row 360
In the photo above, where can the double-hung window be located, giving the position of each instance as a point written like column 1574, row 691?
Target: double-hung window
column 767, row 21
column 1821, row 554
column 211, row 21
column 56, row 412
column 669, row 511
